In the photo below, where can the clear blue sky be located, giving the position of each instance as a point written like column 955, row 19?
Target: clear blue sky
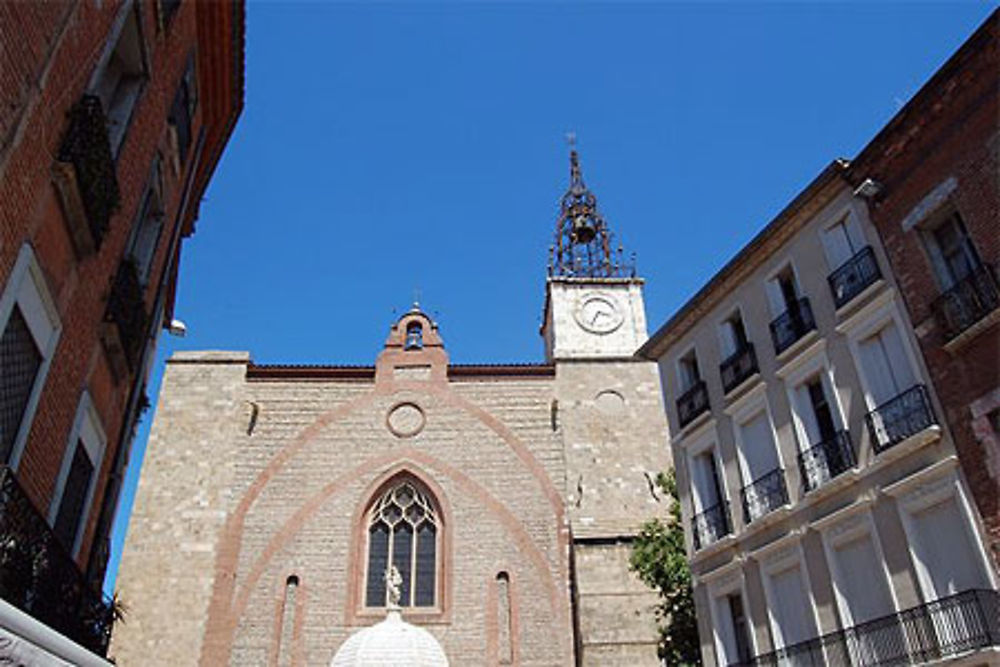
column 392, row 147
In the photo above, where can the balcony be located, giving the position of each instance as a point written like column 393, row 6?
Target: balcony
column 792, row 325
column 692, row 403
column 853, row 276
column 764, row 495
column 970, row 299
column 85, row 177
column 901, row 417
column 821, row 463
column 711, row 525
column 38, row 576
column 125, row 319
column 931, row 632
column 738, row 367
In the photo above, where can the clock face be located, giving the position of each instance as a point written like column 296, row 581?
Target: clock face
column 599, row 313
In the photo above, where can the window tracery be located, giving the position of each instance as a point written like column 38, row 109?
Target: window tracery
column 403, row 529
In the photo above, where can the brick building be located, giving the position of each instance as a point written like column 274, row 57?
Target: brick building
column 934, row 197
column 273, row 498
column 114, row 117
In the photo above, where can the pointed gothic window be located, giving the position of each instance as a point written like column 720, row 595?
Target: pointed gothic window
column 403, row 531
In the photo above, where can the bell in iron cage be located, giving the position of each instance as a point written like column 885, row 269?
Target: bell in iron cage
column 583, row 229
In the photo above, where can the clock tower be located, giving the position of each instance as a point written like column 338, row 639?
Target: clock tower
column 608, row 411
column 593, row 299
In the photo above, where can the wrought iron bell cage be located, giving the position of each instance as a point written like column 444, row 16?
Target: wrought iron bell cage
column 583, row 242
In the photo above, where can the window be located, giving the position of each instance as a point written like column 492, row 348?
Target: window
column 78, row 476
column 885, row 365
column 147, row 229
column 693, row 395
column 732, row 335
column 688, row 374
column 782, row 291
column 731, row 626
column 842, row 241
column 741, row 628
column 711, row 512
column 739, row 361
column 825, row 449
column 945, row 547
column 30, row 333
column 899, row 405
column 789, row 598
column 952, row 253
column 403, row 531
column 414, row 336
column 182, row 112
column 792, row 314
column 120, row 78
column 764, row 487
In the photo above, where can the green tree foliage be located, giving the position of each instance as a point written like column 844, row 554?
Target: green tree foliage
column 660, row 560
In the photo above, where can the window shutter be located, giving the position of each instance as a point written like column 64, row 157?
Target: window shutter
column 837, row 245
column 791, row 606
column 876, row 369
column 902, row 372
column 862, row 580
column 946, row 551
column 775, row 299
column 758, row 446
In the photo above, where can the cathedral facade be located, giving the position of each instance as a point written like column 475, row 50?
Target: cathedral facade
column 274, row 500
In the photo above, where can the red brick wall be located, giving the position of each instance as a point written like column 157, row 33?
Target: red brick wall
column 49, row 52
column 950, row 129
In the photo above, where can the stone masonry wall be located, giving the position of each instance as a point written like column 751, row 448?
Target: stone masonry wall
column 185, row 493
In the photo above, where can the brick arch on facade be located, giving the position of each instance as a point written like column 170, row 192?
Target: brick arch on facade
column 556, row 595
column 229, row 601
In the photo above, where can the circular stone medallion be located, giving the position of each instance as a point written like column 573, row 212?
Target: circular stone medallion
column 610, row 402
column 405, row 420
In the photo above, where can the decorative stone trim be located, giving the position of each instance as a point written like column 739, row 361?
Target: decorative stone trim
column 929, row 203
column 405, row 420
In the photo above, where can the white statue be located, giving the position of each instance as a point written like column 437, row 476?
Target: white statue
column 393, row 582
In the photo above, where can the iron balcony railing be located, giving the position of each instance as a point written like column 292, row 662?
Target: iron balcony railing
column 127, row 310
column 853, row 276
column 824, row 461
column 86, row 146
column 959, row 624
column 38, row 576
column 692, row 403
column 711, row 525
column 968, row 301
column 738, row 367
column 792, row 325
column 764, row 495
column 899, row 418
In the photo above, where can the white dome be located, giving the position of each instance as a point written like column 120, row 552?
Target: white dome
column 391, row 643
